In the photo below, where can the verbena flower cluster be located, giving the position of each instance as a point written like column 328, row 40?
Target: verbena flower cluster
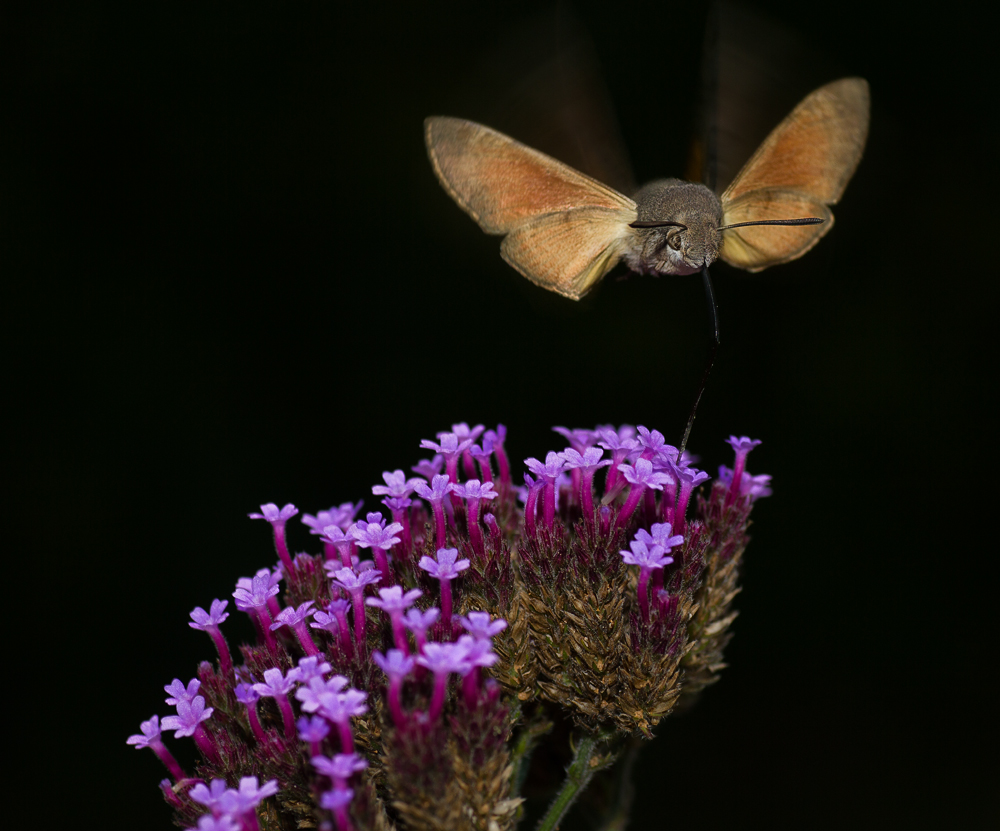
column 410, row 668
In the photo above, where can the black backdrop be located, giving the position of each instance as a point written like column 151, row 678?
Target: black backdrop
column 231, row 278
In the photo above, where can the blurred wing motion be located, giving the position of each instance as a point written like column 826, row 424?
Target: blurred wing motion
column 562, row 229
column 801, row 168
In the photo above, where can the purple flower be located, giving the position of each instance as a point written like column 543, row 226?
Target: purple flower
column 150, row 737
column 342, row 516
column 589, row 461
column 354, row 584
column 439, row 488
column 392, row 599
column 478, row 653
column 446, row 567
column 150, row 734
column 419, row 622
column 340, row 709
column 462, row 431
column 337, row 541
column 220, row 823
column 207, row 620
column 312, row 666
column 443, row 680
column 313, row 729
column 756, row 486
column 584, row 466
column 547, row 473
column 208, row 795
column 190, row 714
column 340, row 768
column 311, row 693
column 528, row 494
column 271, row 513
column 548, row 470
column 473, row 492
column 473, row 489
column 256, row 596
column 393, row 602
column 334, row 621
column 395, row 664
column 579, row 440
column 337, row 801
column 496, row 439
column 229, row 801
column 660, row 536
column 396, row 484
column 641, row 476
column 742, row 446
column 278, row 518
column 482, row 456
column 652, row 442
column 178, row 692
column 647, row 558
column 443, row 659
column 275, row 684
column 753, row 486
column 451, row 447
column 254, row 601
column 187, row 722
column 294, row 616
column 246, row 694
column 380, row 538
column 331, row 525
column 429, row 468
column 350, row 580
column 481, row 626
column 689, row 479
column 622, row 445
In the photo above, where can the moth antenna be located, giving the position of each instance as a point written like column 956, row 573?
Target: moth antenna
column 809, row 220
column 657, row 223
column 713, row 320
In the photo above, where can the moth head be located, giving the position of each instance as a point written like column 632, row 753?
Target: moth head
column 678, row 228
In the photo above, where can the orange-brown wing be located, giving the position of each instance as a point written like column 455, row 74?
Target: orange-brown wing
column 757, row 247
column 565, row 228
column 567, row 252
column 803, row 165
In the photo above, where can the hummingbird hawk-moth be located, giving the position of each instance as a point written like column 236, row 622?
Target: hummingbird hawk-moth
column 564, row 230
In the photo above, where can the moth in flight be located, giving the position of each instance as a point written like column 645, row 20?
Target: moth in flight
column 565, row 230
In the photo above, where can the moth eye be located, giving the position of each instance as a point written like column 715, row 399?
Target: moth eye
column 675, row 242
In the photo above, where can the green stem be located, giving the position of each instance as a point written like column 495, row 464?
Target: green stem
column 578, row 776
column 617, row 818
column 524, row 747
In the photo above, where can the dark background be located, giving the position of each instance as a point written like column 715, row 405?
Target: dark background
column 232, row 278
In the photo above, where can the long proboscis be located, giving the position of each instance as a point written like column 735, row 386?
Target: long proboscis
column 665, row 223
column 808, row 220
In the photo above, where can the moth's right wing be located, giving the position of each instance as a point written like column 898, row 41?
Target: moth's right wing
column 563, row 230
column 801, row 168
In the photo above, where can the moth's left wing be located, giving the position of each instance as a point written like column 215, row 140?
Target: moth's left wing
column 564, row 230
column 801, row 168
column 567, row 252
